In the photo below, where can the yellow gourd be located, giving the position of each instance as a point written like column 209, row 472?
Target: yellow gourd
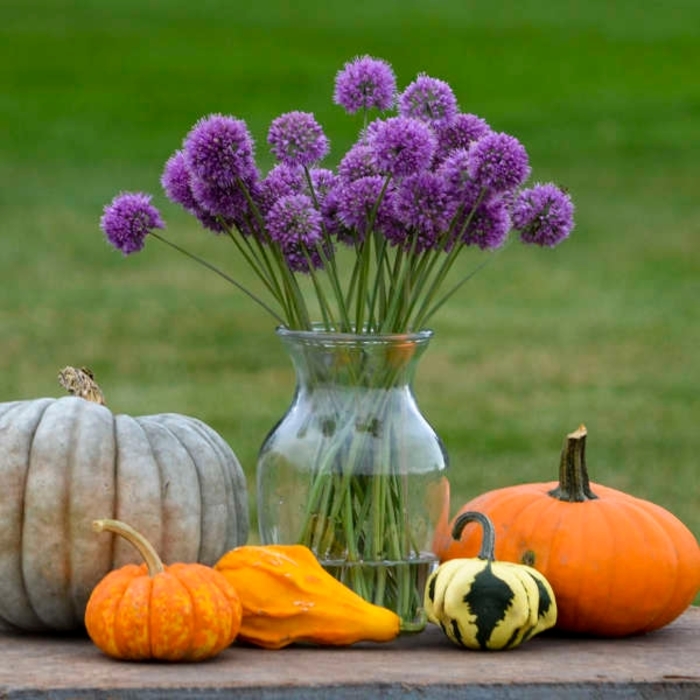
column 289, row 597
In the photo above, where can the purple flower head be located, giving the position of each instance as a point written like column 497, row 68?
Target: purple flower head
column 487, row 226
column 459, row 133
column 128, row 219
column 219, row 150
column 229, row 202
column 429, row 99
column 358, row 201
column 365, row 83
column 295, row 224
column 454, row 170
column 176, row 181
column 544, row 215
column 402, row 146
column 217, row 224
column 498, row 162
column 296, row 138
column 357, row 162
column 329, row 212
column 280, row 181
column 323, row 181
column 425, row 207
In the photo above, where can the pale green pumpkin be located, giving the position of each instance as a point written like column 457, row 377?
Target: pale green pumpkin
column 484, row 604
column 66, row 462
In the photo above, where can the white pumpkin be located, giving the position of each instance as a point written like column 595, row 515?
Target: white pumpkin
column 66, row 462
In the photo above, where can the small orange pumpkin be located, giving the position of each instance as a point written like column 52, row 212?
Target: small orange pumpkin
column 181, row 612
column 619, row 565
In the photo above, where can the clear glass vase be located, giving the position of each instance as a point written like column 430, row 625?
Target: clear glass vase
column 353, row 470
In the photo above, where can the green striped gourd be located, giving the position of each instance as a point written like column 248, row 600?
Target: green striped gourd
column 484, row 604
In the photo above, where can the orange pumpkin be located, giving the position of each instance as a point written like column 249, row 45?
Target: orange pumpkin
column 182, row 612
column 619, row 565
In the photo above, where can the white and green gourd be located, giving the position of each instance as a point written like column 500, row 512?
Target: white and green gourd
column 484, row 604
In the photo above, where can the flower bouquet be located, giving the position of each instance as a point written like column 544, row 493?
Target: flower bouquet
column 352, row 264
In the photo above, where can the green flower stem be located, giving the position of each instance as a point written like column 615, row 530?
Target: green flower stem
column 365, row 259
column 378, row 293
column 267, row 277
column 221, row 273
column 436, row 306
column 329, row 264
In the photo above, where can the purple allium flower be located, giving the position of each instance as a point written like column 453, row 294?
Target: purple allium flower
column 128, row 219
column 423, row 204
column 544, row 215
column 429, row 99
column 296, row 138
column 402, row 146
column 323, row 181
column 459, row 133
column 217, row 224
column 499, row 162
column 357, row 162
column 358, row 201
column 280, row 181
column 329, row 212
column 227, row 201
column 219, row 150
column 454, row 170
column 365, row 83
column 487, row 226
column 295, row 224
column 176, row 182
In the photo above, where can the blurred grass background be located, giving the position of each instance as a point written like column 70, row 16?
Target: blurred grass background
column 96, row 94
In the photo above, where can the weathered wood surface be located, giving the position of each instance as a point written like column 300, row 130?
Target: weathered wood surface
column 663, row 664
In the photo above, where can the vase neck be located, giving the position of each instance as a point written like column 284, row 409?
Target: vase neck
column 374, row 361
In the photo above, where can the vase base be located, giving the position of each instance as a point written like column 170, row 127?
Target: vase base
column 396, row 585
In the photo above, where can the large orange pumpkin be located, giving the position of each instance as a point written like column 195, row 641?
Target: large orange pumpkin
column 619, row 565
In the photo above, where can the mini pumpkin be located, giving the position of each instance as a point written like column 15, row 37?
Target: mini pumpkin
column 181, row 612
column 65, row 462
column 619, row 565
column 289, row 597
column 484, row 604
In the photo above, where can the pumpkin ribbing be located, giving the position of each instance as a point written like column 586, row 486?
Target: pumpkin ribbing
column 172, row 613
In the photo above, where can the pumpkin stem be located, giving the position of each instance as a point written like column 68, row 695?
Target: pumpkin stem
column 488, row 542
column 574, row 486
column 146, row 549
column 81, row 382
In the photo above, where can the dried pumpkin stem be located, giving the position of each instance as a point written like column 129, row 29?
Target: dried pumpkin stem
column 574, row 485
column 81, row 382
column 135, row 538
column 488, row 542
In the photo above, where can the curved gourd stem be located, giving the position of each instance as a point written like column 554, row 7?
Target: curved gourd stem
column 574, row 485
column 135, row 538
column 488, row 542
column 81, row 382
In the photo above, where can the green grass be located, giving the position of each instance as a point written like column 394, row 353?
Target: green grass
column 605, row 330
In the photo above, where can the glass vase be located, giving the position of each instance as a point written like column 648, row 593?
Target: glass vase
column 353, row 470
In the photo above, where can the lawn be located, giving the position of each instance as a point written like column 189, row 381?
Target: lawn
column 605, row 330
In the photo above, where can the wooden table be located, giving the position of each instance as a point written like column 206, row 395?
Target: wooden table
column 663, row 664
